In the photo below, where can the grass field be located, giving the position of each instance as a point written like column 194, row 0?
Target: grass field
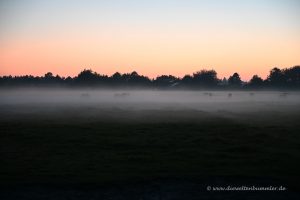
column 129, row 148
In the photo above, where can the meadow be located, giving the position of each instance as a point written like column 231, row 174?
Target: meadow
column 147, row 144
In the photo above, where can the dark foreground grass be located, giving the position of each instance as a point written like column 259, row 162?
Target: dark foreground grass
column 102, row 152
column 57, row 152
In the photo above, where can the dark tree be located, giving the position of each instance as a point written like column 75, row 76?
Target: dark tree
column 235, row 81
column 288, row 78
column 87, row 75
column 205, row 78
column 256, row 82
column 134, row 79
column 49, row 75
column 49, row 79
column 165, row 81
column 89, row 78
column 187, row 81
column 69, row 80
column 224, row 82
column 116, row 79
column 276, row 78
column 292, row 77
column 116, row 76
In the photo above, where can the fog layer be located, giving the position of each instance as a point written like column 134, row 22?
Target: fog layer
column 147, row 106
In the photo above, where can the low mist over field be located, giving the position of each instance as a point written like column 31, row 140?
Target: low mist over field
column 147, row 105
column 135, row 141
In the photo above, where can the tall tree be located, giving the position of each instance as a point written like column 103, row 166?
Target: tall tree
column 256, row 82
column 165, row 81
column 205, row 78
column 276, row 78
column 235, row 81
column 292, row 76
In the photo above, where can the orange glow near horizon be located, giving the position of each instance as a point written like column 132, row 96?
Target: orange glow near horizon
column 150, row 58
column 177, row 40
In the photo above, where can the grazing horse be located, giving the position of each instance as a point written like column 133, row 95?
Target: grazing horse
column 283, row 95
column 121, row 95
column 208, row 94
column 85, row 95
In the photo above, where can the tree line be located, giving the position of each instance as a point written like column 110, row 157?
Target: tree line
column 288, row 78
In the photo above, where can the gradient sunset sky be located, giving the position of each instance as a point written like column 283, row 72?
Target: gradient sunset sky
column 152, row 37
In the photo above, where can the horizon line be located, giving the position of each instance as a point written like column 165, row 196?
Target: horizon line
column 150, row 77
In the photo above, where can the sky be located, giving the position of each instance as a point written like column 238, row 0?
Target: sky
column 152, row 37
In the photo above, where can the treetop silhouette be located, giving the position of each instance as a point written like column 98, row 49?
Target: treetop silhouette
column 288, row 78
